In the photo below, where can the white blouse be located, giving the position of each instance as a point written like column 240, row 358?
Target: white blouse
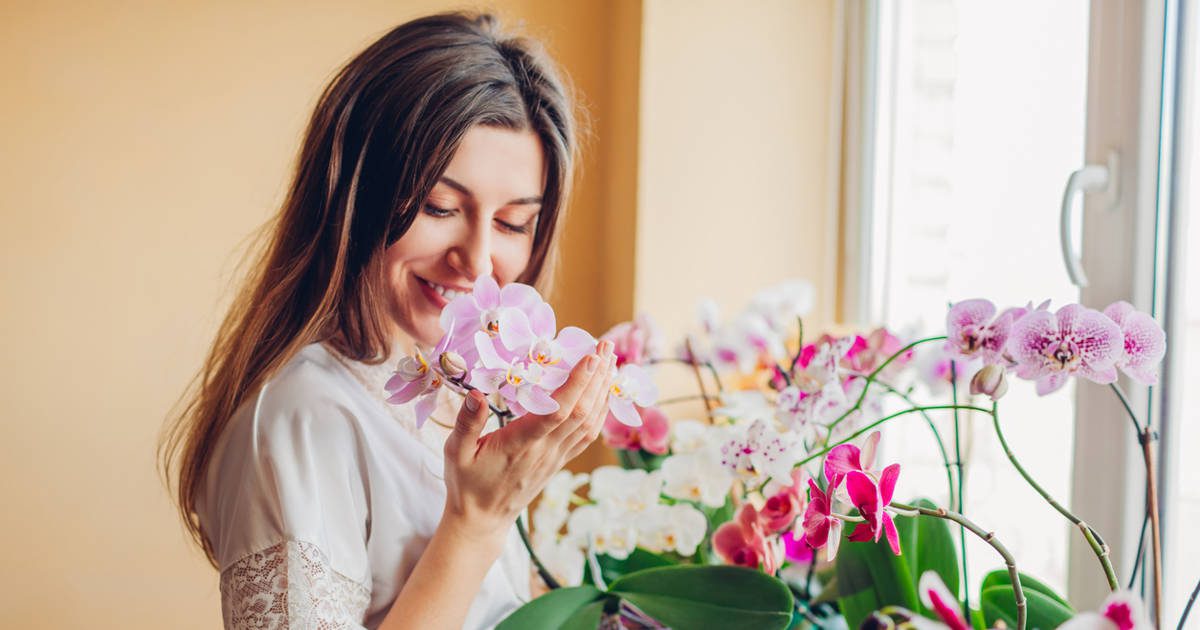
column 321, row 497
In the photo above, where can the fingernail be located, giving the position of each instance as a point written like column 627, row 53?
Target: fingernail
column 590, row 364
column 473, row 402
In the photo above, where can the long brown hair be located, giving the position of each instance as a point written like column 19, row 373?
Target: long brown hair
column 382, row 133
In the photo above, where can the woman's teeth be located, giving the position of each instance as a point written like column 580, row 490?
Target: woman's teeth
column 449, row 294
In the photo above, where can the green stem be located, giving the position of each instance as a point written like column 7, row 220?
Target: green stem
column 551, row 583
column 936, row 435
column 987, row 537
column 1093, row 539
column 962, row 535
column 871, row 378
column 1137, row 428
column 830, row 447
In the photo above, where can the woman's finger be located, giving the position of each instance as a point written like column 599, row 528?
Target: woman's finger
column 582, row 412
column 472, row 416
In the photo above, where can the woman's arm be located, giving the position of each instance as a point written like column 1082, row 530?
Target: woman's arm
column 489, row 481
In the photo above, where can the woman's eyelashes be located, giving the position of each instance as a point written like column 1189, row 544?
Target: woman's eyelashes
column 439, row 212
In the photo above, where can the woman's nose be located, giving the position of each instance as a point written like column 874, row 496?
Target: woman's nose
column 472, row 255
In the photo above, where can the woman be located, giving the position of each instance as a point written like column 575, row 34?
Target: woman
column 440, row 153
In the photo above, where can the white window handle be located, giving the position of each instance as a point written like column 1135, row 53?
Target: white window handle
column 1090, row 178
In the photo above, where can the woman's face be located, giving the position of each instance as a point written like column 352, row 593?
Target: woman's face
column 478, row 219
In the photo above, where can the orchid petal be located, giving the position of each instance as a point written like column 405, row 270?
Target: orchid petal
column 536, row 400
column 887, row 483
column 407, row 392
column 624, row 411
column 424, row 407
column 515, row 332
column 519, row 296
column 486, row 347
column 541, row 319
column 486, row 292
column 835, row 539
column 864, row 494
column 841, row 460
column 575, row 343
column 870, row 447
column 889, row 532
column 1051, row 383
column 936, row 597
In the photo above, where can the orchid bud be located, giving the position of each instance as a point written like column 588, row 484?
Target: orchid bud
column 990, row 382
column 453, row 365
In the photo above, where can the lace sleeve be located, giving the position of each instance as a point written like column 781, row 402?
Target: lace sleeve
column 290, row 585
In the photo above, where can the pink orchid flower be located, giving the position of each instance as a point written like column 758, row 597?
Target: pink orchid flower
column 653, row 435
column 974, row 331
column 743, row 542
column 936, row 597
column 1122, row 610
column 416, row 377
column 868, row 353
column 782, row 508
column 530, row 335
column 636, row 341
column 872, row 499
column 524, row 385
column 1145, row 343
column 480, row 311
column 821, row 528
column 633, row 387
column 1049, row 348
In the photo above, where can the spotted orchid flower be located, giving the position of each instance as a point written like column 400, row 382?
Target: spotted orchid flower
column 633, row 387
column 1049, row 348
column 1122, row 610
column 761, row 454
column 973, row 330
column 1144, row 345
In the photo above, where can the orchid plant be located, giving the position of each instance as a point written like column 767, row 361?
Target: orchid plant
column 772, row 506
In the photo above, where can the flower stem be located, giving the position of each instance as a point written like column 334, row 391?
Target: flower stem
column 680, row 399
column 830, row 447
column 708, row 404
column 936, row 435
column 1188, row 609
column 551, row 583
column 987, row 537
column 962, row 536
column 1093, row 538
column 1137, row 427
column 871, row 378
column 1146, row 436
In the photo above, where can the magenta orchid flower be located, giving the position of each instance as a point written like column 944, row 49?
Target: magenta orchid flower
column 653, row 435
column 936, row 597
column 1050, row 348
column 847, row 457
column 822, row 529
column 796, row 548
column 974, row 331
column 872, row 499
column 634, row 385
column 1122, row 610
column 1144, row 345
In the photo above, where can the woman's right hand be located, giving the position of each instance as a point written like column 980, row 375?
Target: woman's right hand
column 490, row 479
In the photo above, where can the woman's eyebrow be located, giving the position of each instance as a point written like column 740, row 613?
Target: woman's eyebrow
column 521, row 201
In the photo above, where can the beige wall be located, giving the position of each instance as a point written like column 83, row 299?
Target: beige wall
column 734, row 156
column 143, row 144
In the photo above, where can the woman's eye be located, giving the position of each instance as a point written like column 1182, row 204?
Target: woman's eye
column 515, row 229
column 435, row 211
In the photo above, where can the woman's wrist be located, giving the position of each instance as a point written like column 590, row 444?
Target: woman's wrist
column 480, row 534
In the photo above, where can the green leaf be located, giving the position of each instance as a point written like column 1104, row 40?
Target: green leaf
column 1042, row 611
column 552, row 610
column 611, row 569
column 586, row 618
column 688, row 596
column 1000, row 577
column 977, row 621
column 928, row 544
column 870, row 567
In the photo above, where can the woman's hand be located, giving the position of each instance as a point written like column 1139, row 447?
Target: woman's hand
column 490, row 479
